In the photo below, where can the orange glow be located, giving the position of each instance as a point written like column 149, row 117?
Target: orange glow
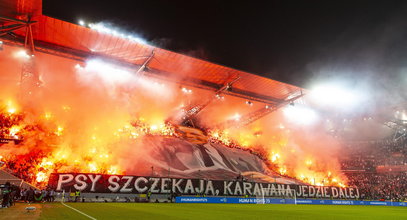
column 14, row 130
column 98, row 159
column 11, row 108
column 59, row 131
column 308, row 171
column 41, row 177
column 66, row 108
column 282, row 170
column 236, row 117
column 308, row 162
column 274, row 157
column 47, row 115
column 88, row 123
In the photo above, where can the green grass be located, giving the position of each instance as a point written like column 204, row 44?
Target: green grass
column 202, row 211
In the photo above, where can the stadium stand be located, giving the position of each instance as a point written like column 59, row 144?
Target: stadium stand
column 377, row 168
column 6, row 176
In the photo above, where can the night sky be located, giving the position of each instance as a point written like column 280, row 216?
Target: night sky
column 290, row 41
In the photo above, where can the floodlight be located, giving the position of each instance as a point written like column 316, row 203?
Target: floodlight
column 300, row 114
column 333, row 95
column 81, row 23
column 22, row 54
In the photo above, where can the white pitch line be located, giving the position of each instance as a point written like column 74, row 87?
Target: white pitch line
column 78, row 211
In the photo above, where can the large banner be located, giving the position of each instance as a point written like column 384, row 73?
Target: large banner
column 101, row 183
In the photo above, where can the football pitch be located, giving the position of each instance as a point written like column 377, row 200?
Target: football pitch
column 199, row 211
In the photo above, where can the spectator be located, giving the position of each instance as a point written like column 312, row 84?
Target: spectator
column 6, row 195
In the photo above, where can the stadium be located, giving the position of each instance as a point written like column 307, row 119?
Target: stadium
column 96, row 122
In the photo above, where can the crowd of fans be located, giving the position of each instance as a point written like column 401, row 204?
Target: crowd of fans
column 359, row 163
column 370, row 154
column 380, row 186
column 361, row 166
column 22, row 167
column 10, row 193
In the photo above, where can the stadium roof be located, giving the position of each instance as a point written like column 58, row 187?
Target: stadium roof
column 15, row 8
column 79, row 42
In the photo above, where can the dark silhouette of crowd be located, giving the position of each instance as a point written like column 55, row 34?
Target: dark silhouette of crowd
column 10, row 193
